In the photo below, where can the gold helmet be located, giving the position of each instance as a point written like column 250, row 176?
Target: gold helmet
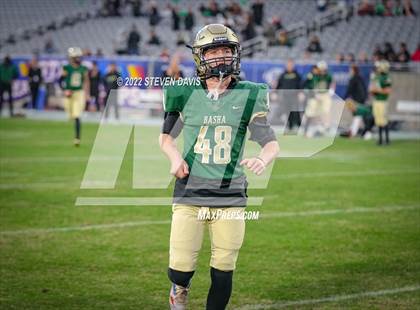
column 382, row 66
column 74, row 52
column 322, row 65
column 211, row 36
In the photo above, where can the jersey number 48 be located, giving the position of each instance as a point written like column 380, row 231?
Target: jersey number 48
column 221, row 150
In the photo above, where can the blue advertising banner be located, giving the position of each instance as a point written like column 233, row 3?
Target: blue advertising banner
column 256, row 71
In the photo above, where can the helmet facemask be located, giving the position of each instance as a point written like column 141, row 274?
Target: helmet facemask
column 218, row 66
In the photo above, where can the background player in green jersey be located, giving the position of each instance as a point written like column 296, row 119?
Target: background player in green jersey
column 214, row 117
column 75, row 83
column 380, row 88
column 318, row 109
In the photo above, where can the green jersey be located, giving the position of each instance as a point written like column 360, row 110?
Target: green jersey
column 74, row 77
column 381, row 81
column 322, row 82
column 8, row 73
column 214, row 130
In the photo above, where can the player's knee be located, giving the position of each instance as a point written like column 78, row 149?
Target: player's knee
column 221, row 277
column 181, row 259
column 180, row 277
column 224, row 259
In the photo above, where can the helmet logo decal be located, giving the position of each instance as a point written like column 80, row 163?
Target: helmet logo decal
column 219, row 39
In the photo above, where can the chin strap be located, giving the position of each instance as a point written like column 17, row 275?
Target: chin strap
column 214, row 93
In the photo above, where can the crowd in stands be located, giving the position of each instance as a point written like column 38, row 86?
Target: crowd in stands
column 385, row 52
column 234, row 15
column 386, row 8
column 247, row 18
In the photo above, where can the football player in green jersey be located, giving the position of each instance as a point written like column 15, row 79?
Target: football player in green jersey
column 319, row 106
column 75, row 83
column 214, row 116
column 380, row 88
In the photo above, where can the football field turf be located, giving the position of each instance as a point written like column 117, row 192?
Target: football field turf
column 338, row 230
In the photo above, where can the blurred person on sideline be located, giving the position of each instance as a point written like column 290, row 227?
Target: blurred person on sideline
column 95, row 80
column 111, row 85
column 8, row 73
column 288, row 80
column 34, row 80
column 356, row 93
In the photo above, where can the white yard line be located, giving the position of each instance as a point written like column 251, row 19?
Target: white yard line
column 284, row 304
column 338, row 211
column 80, row 228
column 343, row 173
column 66, row 159
column 160, row 222
column 41, row 185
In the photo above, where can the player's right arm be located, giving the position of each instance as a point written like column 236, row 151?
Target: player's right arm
column 179, row 168
column 172, row 126
column 63, row 83
column 372, row 84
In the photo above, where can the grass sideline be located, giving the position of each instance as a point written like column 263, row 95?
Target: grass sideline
column 283, row 259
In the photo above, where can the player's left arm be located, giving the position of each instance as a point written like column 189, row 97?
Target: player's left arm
column 383, row 90
column 263, row 134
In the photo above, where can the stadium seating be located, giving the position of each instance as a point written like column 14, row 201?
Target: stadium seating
column 109, row 33
column 17, row 16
